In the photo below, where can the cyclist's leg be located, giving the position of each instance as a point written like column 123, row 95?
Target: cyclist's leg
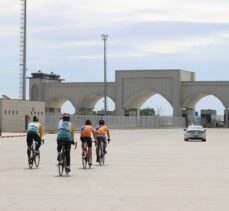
column 89, row 148
column 68, row 150
column 97, row 148
column 29, row 141
column 105, row 145
column 83, row 145
column 38, row 142
column 59, row 147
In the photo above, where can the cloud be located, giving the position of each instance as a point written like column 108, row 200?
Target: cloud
column 176, row 46
column 111, row 11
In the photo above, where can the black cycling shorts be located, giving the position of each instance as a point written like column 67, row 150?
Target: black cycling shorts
column 88, row 140
column 31, row 136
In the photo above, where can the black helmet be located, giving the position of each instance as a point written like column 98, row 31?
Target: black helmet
column 35, row 119
column 66, row 117
column 101, row 122
column 87, row 122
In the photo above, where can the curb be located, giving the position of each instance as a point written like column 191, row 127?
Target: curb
column 12, row 136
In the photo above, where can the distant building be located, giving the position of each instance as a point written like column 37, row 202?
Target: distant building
column 16, row 114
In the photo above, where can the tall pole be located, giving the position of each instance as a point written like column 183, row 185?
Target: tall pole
column 23, row 50
column 104, row 38
column 24, row 58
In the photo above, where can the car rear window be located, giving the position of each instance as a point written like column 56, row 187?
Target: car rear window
column 195, row 128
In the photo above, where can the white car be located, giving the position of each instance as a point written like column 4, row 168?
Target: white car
column 195, row 132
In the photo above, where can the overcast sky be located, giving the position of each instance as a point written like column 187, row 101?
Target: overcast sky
column 64, row 37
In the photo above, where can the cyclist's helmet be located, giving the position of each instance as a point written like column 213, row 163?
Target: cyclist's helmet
column 66, row 117
column 87, row 122
column 35, row 119
column 101, row 122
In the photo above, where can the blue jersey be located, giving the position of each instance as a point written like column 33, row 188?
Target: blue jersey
column 65, row 131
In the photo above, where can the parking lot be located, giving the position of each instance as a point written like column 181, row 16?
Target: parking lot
column 153, row 169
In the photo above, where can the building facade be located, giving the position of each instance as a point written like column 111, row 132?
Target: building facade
column 129, row 91
column 16, row 114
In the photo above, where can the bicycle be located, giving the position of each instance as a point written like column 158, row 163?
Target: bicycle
column 62, row 160
column 34, row 157
column 85, row 158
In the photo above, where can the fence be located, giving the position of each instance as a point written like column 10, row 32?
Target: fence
column 118, row 122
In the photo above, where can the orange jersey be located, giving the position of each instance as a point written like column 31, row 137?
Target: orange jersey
column 101, row 130
column 86, row 131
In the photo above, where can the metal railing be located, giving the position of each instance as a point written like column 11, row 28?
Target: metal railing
column 118, row 122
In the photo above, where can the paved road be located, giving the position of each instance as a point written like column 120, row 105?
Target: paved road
column 145, row 170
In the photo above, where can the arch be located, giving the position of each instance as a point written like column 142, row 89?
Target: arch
column 160, row 105
column 210, row 102
column 139, row 98
column 68, row 107
column 90, row 100
column 100, row 104
column 57, row 103
column 192, row 100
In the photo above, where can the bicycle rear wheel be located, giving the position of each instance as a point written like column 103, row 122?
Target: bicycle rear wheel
column 101, row 155
column 31, row 159
column 31, row 162
column 61, row 164
column 37, row 159
column 84, row 160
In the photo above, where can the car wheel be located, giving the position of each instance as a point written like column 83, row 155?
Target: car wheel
column 203, row 139
column 185, row 139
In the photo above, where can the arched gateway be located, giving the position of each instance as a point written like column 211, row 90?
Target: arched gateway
column 129, row 91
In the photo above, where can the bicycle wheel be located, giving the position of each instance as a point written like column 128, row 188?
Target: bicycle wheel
column 84, row 160
column 31, row 159
column 61, row 164
column 31, row 163
column 37, row 159
column 101, row 154
column 65, row 164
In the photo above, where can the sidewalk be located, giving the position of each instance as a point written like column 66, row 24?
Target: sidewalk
column 8, row 135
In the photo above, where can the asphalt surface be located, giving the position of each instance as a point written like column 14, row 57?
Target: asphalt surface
column 144, row 170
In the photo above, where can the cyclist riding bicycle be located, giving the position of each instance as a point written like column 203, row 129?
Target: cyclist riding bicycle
column 101, row 132
column 34, row 133
column 65, row 136
column 85, row 136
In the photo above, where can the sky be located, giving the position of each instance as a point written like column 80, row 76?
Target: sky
column 64, row 37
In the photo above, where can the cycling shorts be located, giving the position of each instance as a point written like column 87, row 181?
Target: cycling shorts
column 101, row 138
column 31, row 136
column 88, row 140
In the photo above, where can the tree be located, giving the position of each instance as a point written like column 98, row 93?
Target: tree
column 147, row 112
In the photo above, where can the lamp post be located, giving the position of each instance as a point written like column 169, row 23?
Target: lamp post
column 104, row 38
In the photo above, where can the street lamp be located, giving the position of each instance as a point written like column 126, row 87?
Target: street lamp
column 104, row 38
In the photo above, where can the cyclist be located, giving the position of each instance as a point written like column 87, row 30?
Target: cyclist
column 85, row 136
column 34, row 133
column 65, row 135
column 101, row 132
